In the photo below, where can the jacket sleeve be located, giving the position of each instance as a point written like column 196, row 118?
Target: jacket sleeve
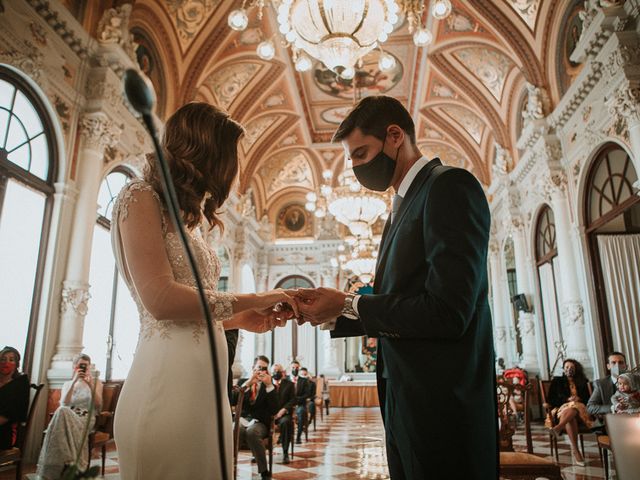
column 346, row 327
column 290, row 400
column 272, row 402
column 456, row 224
column 557, row 394
column 596, row 404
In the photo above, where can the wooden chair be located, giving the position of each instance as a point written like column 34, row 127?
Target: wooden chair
column 13, row 456
column 519, row 465
column 552, row 420
column 604, row 447
column 237, row 414
column 102, row 434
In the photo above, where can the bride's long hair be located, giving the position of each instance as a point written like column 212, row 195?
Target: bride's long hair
column 200, row 143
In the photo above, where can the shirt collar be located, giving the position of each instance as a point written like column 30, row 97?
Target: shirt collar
column 411, row 175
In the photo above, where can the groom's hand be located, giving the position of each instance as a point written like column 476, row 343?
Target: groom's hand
column 320, row 305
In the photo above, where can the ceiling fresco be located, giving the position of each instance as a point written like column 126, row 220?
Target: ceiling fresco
column 465, row 90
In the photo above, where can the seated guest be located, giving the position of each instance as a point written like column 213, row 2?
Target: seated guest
column 286, row 402
column 599, row 403
column 627, row 398
column 303, row 392
column 67, row 433
column 260, row 404
column 324, row 391
column 304, row 373
column 14, row 396
column 568, row 395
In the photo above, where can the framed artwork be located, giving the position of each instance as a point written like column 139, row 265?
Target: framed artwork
column 294, row 221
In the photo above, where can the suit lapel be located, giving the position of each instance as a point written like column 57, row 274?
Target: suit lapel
column 391, row 228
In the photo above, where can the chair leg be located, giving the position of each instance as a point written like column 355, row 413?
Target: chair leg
column 19, row 470
column 582, row 446
column 605, row 463
column 271, row 455
column 104, row 457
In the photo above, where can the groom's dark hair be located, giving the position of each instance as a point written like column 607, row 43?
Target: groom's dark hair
column 263, row 358
column 372, row 115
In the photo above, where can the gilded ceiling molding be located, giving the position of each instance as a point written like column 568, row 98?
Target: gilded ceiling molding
column 481, row 101
column 494, row 16
column 274, row 72
column 207, row 55
column 260, row 152
column 147, row 19
column 461, row 142
column 189, row 18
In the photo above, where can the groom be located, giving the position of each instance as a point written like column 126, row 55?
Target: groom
column 429, row 305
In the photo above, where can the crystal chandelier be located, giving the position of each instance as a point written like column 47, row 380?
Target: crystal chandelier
column 349, row 203
column 363, row 258
column 340, row 32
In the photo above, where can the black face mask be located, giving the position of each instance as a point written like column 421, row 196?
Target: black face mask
column 294, row 372
column 277, row 375
column 377, row 173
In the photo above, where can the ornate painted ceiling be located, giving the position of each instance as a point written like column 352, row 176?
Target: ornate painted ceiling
column 466, row 91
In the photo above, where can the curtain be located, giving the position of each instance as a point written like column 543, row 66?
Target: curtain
column 550, row 310
column 620, row 259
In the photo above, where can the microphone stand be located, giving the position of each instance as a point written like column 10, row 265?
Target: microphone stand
column 141, row 98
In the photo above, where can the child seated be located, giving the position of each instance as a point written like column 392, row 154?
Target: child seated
column 627, row 398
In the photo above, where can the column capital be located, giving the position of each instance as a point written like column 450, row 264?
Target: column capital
column 625, row 103
column 75, row 297
column 98, row 131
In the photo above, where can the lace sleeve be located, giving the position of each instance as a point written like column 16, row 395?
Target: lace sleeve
column 221, row 305
column 127, row 197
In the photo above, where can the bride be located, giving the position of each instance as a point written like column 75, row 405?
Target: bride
column 165, row 423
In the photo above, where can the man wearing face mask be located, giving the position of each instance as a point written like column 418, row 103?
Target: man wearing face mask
column 286, row 402
column 599, row 403
column 303, row 392
column 429, row 302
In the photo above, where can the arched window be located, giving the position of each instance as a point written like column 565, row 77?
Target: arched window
column 294, row 281
column 612, row 219
column 548, row 281
column 111, row 325
column 27, row 172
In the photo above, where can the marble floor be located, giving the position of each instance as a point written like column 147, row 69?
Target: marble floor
column 348, row 444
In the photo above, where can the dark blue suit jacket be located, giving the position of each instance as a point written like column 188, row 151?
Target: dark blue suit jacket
column 430, row 312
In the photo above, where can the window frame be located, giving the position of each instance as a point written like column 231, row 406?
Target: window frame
column 11, row 171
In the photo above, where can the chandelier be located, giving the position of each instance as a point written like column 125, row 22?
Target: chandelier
column 339, row 32
column 349, row 203
column 362, row 260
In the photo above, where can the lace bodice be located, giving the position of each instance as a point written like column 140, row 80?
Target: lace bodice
column 81, row 396
column 206, row 259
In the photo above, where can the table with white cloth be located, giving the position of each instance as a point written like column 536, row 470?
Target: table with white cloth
column 354, row 394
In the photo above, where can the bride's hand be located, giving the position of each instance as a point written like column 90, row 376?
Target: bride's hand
column 277, row 300
column 263, row 321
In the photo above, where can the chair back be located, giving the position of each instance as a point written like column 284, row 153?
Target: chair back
column 25, row 427
column 110, row 395
column 505, row 391
column 236, row 423
column 624, row 434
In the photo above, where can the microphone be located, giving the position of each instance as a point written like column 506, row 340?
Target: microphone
column 142, row 99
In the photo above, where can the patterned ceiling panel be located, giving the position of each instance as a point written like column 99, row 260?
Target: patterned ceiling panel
column 286, row 169
column 468, row 120
column 527, row 9
column 190, row 17
column 489, row 66
column 448, row 155
column 255, row 128
column 227, row 83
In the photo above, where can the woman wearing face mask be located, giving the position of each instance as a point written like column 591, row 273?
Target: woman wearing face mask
column 67, row 432
column 568, row 395
column 14, row 396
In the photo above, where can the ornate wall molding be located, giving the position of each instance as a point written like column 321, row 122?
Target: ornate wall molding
column 61, row 27
column 625, row 103
column 75, row 298
column 28, row 59
column 97, row 131
column 573, row 314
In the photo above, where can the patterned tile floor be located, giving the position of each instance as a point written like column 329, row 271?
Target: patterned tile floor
column 348, row 444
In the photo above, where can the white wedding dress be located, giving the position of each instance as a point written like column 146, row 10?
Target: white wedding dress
column 166, row 425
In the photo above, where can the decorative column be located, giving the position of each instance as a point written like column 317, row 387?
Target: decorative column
column 526, row 320
column 236, row 367
column 499, row 314
column 330, row 361
column 571, row 308
column 96, row 133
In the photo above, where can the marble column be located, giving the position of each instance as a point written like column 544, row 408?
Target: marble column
column 97, row 131
column 236, row 367
column 571, row 307
column 498, row 293
column 526, row 320
column 330, row 360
